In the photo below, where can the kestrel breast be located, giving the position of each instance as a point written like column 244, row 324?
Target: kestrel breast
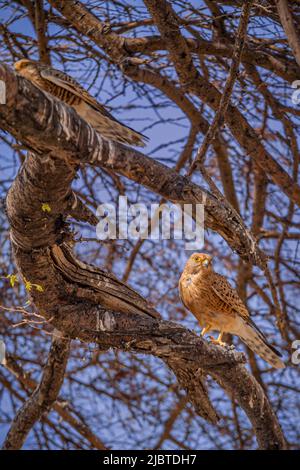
column 206, row 305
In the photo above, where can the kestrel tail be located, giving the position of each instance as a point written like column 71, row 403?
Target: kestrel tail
column 65, row 88
column 217, row 306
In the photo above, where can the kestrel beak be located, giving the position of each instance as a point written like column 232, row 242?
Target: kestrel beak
column 205, row 263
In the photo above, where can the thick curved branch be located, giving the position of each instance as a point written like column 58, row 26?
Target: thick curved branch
column 189, row 76
column 81, row 300
column 44, row 395
column 65, row 414
column 120, row 47
column 52, row 128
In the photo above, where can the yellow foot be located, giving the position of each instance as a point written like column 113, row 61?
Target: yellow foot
column 218, row 340
column 205, row 330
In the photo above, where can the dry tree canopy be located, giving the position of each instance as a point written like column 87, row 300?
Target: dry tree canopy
column 104, row 354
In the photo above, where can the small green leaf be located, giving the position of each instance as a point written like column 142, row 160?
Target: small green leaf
column 46, row 207
column 12, row 279
column 39, row 288
column 28, row 285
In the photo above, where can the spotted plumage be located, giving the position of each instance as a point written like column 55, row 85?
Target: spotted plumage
column 66, row 89
column 217, row 306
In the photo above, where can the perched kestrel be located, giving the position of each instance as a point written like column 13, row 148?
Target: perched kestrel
column 65, row 88
column 217, row 306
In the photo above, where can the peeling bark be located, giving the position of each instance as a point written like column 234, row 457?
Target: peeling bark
column 55, row 131
column 84, row 302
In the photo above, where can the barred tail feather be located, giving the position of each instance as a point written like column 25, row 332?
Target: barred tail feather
column 258, row 343
column 109, row 128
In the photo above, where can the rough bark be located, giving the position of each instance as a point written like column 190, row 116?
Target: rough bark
column 43, row 397
column 83, row 301
column 66, row 414
column 37, row 120
column 121, row 47
column 167, row 23
column 287, row 22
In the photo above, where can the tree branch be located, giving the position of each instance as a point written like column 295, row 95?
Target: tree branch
column 287, row 22
column 43, row 397
column 226, row 95
column 37, row 119
column 83, row 301
column 190, row 78
column 121, row 47
column 61, row 410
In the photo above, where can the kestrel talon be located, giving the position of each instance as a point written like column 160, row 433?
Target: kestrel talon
column 65, row 88
column 217, row 306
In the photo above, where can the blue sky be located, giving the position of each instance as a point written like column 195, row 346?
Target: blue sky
column 171, row 128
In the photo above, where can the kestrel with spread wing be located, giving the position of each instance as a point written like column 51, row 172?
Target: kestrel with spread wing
column 217, row 306
column 65, row 88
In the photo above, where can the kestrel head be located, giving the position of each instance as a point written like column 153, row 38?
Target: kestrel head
column 29, row 69
column 199, row 262
column 23, row 64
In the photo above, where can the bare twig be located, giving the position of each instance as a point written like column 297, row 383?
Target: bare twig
column 226, row 95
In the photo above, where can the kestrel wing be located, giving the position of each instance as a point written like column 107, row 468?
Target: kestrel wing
column 180, row 288
column 63, row 80
column 223, row 289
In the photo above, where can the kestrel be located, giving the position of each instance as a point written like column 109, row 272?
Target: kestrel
column 217, row 306
column 65, row 88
